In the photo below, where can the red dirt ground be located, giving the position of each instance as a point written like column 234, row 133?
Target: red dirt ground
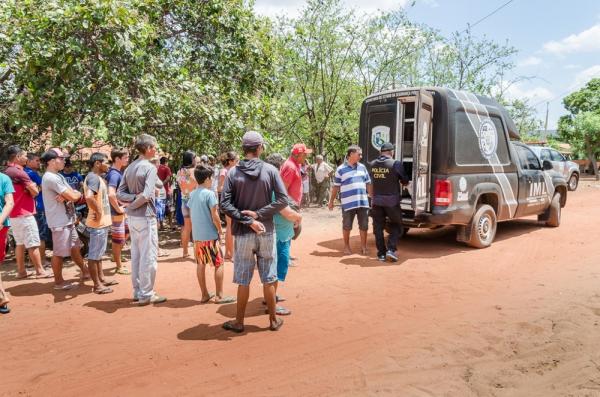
column 520, row 318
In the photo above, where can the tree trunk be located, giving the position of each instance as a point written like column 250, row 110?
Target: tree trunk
column 594, row 164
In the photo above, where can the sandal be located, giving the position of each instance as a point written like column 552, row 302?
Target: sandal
column 225, row 299
column 24, row 276
column 102, row 291
column 65, row 287
column 4, row 309
column 109, row 282
column 280, row 311
column 124, row 271
column 231, row 326
column 45, row 275
column 275, row 326
column 210, row 296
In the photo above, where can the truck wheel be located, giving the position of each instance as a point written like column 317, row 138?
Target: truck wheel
column 554, row 211
column 483, row 227
column 573, row 182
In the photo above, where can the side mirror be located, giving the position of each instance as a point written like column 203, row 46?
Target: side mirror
column 546, row 165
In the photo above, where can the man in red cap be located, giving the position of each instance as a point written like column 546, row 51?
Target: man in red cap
column 290, row 172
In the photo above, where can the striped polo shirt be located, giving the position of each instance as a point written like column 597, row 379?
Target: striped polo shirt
column 352, row 181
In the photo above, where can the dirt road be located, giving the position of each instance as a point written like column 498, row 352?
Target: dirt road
column 520, row 318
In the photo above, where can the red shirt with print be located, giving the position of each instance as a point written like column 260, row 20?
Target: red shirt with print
column 24, row 202
column 292, row 178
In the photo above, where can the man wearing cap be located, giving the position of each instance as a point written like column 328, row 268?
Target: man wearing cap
column 59, row 199
column 22, row 219
column 387, row 174
column 291, row 173
column 247, row 198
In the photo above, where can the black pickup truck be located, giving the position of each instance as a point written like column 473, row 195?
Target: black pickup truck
column 467, row 167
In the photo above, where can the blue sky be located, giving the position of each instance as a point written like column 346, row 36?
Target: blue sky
column 558, row 41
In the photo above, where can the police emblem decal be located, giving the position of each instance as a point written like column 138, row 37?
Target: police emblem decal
column 379, row 135
column 488, row 138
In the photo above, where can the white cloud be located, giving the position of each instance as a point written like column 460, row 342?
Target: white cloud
column 535, row 94
column 530, row 61
column 586, row 41
column 585, row 75
column 572, row 66
column 292, row 8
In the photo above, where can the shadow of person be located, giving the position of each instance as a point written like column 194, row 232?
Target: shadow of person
column 124, row 303
column 369, row 262
column 33, row 289
column 253, row 309
column 215, row 332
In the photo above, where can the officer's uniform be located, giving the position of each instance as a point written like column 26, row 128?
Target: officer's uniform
column 386, row 175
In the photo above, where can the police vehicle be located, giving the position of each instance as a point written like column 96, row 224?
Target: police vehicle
column 464, row 169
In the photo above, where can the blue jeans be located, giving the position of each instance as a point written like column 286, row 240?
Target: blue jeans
column 283, row 258
column 144, row 252
column 98, row 240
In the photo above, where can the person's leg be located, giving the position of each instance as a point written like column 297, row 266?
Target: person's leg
column 93, row 267
column 61, row 245
column 20, row 258
column 78, row 259
column 394, row 214
column 201, row 276
column 36, row 259
column 347, row 220
column 219, row 275
column 57, row 265
column 378, row 215
column 228, row 239
column 283, row 259
column 363, row 226
column 43, row 253
column 4, row 297
column 243, row 293
column 243, row 269
column 185, row 236
column 266, row 259
column 31, row 237
column 148, row 260
column 118, row 236
column 269, row 294
column 136, row 254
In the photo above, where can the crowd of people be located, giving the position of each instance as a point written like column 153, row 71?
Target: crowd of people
column 257, row 202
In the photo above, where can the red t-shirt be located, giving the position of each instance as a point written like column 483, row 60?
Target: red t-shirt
column 164, row 173
column 24, row 202
column 292, row 178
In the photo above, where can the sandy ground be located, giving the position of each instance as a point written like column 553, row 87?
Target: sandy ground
column 520, row 318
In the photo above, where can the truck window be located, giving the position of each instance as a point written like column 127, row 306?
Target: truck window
column 545, row 155
column 557, row 156
column 467, row 145
column 527, row 158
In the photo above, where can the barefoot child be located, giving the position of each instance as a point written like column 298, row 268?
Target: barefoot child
column 206, row 232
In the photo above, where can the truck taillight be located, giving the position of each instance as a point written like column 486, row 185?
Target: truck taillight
column 443, row 193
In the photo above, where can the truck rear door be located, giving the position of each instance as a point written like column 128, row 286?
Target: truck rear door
column 421, row 196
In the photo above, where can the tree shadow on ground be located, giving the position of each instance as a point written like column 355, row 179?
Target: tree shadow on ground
column 215, row 332
column 33, row 289
column 124, row 303
column 422, row 243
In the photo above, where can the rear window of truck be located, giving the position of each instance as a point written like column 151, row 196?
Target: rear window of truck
column 480, row 140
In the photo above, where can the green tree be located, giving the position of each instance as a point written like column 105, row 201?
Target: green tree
column 581, row 127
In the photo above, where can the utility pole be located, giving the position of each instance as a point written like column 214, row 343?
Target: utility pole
column 546, row 123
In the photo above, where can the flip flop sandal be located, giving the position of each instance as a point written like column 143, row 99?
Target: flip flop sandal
column 280, row 311
column 65, row 287
column 210, row 296
column 124, row 271
column 225, row 299
column 277, row 300
column 24, row 276
column 47, row 275
column 102, row 291
column 4, row 309
column 229, row 326
column 110, row 282
column 277, row 325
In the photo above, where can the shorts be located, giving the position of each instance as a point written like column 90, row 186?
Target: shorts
column 3, row 236
column 40, row 218
column 348, row 218
column 161, row 208
column 64, row 239
column 185, row 211
column 98, row 241
column 119, row 229
column 25, row 230
column 255, row 250
column 208, row 253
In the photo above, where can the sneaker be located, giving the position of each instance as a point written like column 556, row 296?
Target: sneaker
column 381, row 258
column 156, row 299
column 391, row 256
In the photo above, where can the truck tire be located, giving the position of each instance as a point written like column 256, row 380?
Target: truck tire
column 554, row 211
column 483, row 227
column 573, row 182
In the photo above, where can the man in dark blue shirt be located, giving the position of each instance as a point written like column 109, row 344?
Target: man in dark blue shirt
column 74, row 178
column 386, row 175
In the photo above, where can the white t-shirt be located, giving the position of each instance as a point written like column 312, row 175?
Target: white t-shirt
column 57, row 214
column 322, row 171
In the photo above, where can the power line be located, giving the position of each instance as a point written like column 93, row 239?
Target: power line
column 487, row 16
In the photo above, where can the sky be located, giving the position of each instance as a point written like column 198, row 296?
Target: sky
column 558, row 41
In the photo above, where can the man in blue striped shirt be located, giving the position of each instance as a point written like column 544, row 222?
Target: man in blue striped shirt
column 353, row 183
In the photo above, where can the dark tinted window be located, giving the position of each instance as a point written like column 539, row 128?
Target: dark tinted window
column 527, row 158
column 545, row 155
column 469, row 149
column 557, row 156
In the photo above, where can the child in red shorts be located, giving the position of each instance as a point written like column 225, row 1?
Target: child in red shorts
column 206, row 231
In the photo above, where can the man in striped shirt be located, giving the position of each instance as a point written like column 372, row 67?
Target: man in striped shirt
column 354, row 184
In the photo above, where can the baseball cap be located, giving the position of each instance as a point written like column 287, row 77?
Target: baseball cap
column 300, row 148
column 252, row 138
column 387, row 147
column 204, row 158
column 52, row 154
